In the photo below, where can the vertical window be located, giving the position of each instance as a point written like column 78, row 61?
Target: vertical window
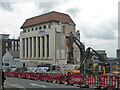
column 38, row 46
column 36, row 28
column 6, row 49
column 27, row 46
column 47, row 45
column 23, row 64
column 6, row 64
column 24, row 31
column 44, row 27
column 18, row 48
column 15, row 45
column 32, row 29
column 34, row 46
column 49, row 26
column 64, row 29
column 30, row 46
column 40, row 28
column 12, row 45
column 28, row 30
column 23, row 47
column 43, row 46
column 6, row 44
column 15, row 48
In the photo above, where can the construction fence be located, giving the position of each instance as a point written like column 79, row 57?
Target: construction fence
column 71, row 79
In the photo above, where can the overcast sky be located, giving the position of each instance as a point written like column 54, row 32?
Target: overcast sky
column 97, row 20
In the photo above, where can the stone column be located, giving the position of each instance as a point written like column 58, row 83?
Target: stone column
column 41, row 47
column 45, row 46
column 21, row 47
column 32, row 47
column 29, row 47
column 36, row 46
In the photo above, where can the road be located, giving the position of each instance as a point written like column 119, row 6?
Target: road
column 28, row 84
column 25, row 84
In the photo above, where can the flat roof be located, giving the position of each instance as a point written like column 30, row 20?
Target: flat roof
column 5, row 34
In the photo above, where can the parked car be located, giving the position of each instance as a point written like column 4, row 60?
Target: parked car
column 31, row 69
column 41, row 69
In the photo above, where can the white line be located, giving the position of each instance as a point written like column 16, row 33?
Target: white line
column 19, row 85
column 33, row 84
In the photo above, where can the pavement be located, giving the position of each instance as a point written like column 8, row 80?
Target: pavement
column 13, row 87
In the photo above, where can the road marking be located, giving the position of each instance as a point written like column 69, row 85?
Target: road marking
column 33, row 84
column 17, row 86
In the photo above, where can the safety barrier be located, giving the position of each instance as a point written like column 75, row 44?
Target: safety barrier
column 96, row 81
column 71, row 79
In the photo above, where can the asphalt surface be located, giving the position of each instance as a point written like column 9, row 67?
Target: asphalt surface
column 25, row 84
column 11, row 87
column 28, row 84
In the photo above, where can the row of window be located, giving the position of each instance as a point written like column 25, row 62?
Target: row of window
column 44, row 27
column 34, row 48
column 16, row 49
column 15, row 46
column 6, row 64
column 36, row 28
column 13, row 43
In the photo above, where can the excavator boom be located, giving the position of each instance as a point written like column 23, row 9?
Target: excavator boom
column 84, row 54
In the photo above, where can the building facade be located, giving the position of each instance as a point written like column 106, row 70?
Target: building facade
column 118, row 53
column 15, row 44
column 6, row 44
column 11, row 60
column 43, row 39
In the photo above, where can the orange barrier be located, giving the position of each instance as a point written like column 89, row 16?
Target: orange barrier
column 90, row 80
column 20, row 75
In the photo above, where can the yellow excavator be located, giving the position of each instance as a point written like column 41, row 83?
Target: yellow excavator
column 97, row 70
column 102, row 70
column 116, row 69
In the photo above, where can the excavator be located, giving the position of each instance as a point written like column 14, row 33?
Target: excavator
column 87, row 65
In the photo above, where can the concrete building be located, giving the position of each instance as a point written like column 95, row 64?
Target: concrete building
column 15, row 44
column 7, row 44
column 43, row 39
column 118, row 53
column 4, row 45
column 102, row 53
column 11, row 59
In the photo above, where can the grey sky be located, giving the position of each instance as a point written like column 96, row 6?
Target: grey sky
column 104, row 30
column 74, row 11
column 47, row 6
column 6, row 6
column 96, row 20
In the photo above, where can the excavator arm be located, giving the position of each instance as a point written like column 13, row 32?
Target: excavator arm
column 72, row 39
column 84, row 55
